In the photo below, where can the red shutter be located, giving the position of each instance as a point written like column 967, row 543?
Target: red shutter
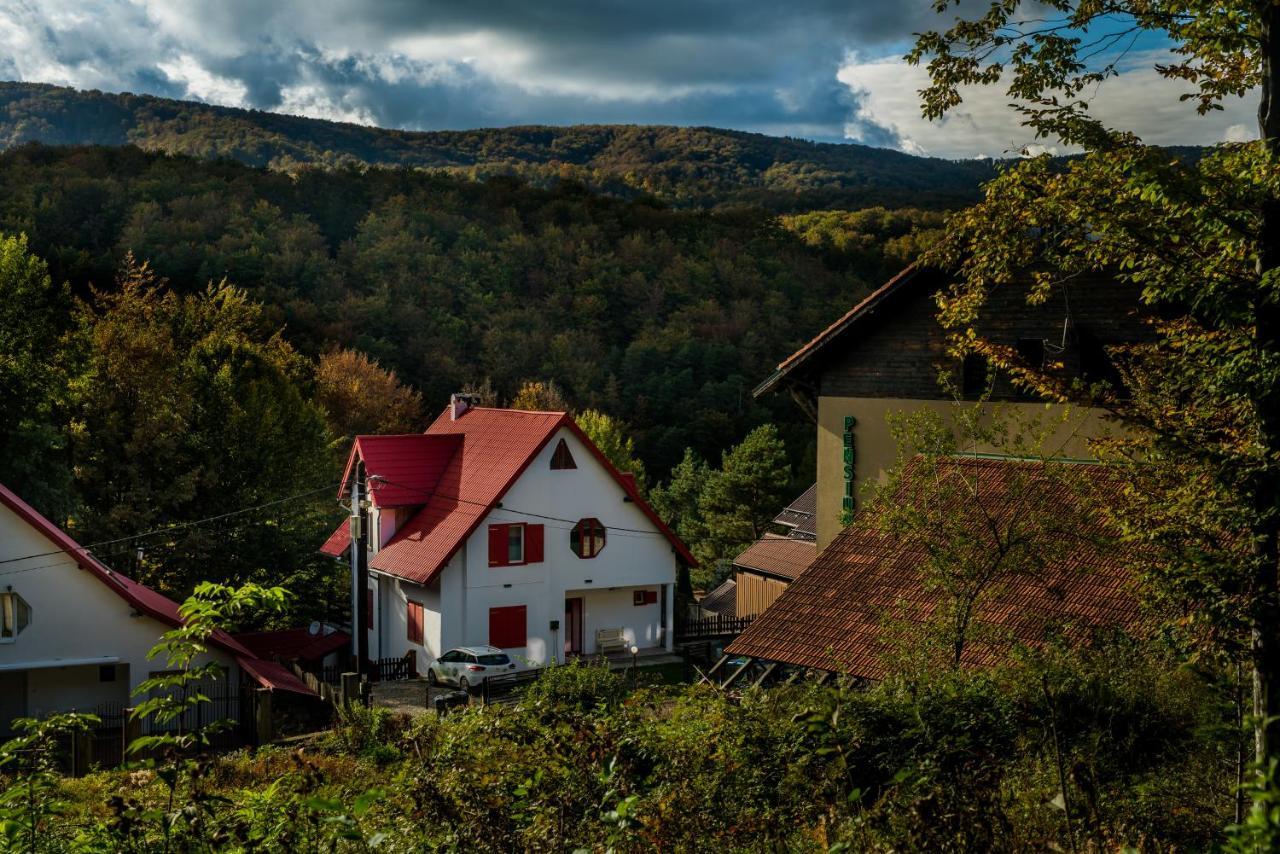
column 507, row 627
column 651, row 597
column 498, row 545
column 532, row 544
column 415, row 622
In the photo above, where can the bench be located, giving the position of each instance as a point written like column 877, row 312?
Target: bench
column 610, row 640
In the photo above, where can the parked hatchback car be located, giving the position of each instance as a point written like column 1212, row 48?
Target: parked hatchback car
column 467, row 666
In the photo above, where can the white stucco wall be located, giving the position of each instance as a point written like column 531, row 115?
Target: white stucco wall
column 639, row 557
column 75, row 617
column 391, row 613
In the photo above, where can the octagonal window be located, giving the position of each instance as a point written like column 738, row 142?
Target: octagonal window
column 587, row 538
column 15, row 615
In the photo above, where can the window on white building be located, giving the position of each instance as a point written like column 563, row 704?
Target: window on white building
column 15, row 615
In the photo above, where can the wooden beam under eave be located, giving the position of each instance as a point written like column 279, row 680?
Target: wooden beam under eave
column 738, row 672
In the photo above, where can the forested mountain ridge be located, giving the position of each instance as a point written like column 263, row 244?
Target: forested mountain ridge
column 681, row 165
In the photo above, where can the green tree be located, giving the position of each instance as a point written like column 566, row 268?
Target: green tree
column 740, row 500
column 1199, row 240
column 190, row 408
column 676, row 502
column 614, row 440
column 34, row 382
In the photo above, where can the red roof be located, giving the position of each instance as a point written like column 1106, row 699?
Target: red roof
column 833, row 617
column 294, row 644
column 142, row 598
column 495, row 447
column 402, row 471
column 274, row 676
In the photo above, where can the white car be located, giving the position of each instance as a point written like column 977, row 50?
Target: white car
column 467, row 666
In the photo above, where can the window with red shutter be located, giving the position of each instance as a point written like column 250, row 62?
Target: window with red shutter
column 533, row 544
column 498, row 545
column 507, row 628
column 415, row 622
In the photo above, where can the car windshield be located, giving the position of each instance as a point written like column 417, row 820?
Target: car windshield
column 496, row 658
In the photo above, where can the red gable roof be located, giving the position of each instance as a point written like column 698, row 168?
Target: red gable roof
column 496, row 446
column 142, row 598
column 409, row 466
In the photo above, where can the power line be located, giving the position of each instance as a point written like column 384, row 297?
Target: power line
column 170, row 528
column 496, row 506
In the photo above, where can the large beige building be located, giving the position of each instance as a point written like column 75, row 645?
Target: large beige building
column 887, row 355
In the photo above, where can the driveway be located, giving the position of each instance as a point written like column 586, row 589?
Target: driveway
column 407, row 697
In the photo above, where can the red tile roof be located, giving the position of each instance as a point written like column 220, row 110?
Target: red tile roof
column 833, row 616
column 495, row 447
column 293, row 644
column 402, row 470
column 780, row 556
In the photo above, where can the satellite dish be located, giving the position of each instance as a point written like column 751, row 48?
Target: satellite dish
column 314, row 628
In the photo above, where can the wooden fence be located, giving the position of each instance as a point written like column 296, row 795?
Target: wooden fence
column 705, row 628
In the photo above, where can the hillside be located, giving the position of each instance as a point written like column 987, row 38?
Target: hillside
column 683, row 166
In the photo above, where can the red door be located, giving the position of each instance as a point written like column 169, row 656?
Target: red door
column 573, row 626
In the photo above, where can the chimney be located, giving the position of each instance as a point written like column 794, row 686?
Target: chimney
column 460, row 403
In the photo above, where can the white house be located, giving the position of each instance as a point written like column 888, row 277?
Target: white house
column 508, row 528
column 74, row 635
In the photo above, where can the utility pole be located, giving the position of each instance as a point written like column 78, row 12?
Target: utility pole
column 359, row 573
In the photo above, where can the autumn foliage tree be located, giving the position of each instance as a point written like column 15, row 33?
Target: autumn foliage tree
column 360, row 397
column 1198, row 240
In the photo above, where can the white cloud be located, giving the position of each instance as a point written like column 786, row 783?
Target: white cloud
column 203, row 85
column 1138, row 99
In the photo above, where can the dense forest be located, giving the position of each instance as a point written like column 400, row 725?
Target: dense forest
column 682, row 166
column 184, row 334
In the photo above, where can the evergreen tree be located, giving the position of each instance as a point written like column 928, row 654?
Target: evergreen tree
column 739, row 501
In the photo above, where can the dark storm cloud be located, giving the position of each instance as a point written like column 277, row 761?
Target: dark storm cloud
column 752, row 65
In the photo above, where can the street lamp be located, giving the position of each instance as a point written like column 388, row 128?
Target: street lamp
column 635, row 650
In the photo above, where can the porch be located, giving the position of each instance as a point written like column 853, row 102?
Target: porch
column 610, row 622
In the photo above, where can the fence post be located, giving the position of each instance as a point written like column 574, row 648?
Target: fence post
column 350, row 688
column 411, row 658
column 262, row 718
column 79, row 753
column 130, row 731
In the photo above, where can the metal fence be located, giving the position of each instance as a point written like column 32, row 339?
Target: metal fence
column 505, row 688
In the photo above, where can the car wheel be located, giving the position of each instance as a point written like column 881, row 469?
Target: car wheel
column 431, row 678
column 463, row 684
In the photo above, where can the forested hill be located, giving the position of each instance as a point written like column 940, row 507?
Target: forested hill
column 683, row 166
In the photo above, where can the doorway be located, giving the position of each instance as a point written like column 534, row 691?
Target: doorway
column 573, row 626
column 13, row 698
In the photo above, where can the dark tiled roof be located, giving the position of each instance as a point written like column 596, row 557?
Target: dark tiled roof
column 801, row 515
column 909, row 277
column 723, row 600
column 780, row 556
column 833, row 617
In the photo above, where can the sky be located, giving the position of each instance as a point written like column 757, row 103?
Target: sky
column 827, row 71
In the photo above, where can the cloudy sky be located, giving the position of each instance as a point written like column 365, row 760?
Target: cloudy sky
column 828, row 71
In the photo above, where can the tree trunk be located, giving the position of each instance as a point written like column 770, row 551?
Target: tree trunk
column 1265, row 640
